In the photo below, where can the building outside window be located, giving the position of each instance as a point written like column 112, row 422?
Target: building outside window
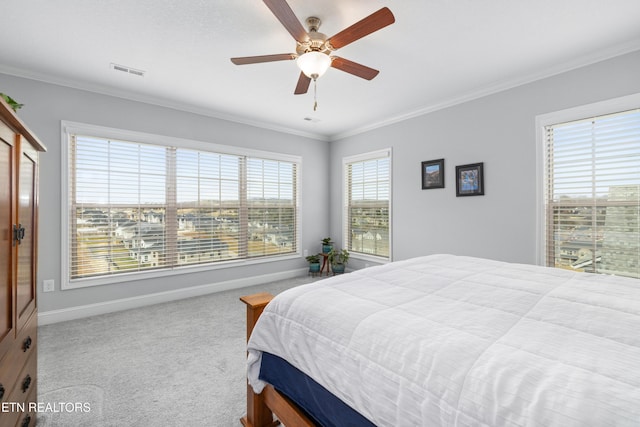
column 592, row 189
column 367, row 205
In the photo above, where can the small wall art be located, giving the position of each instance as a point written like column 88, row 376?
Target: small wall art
column 433, row 174
column 470, row 180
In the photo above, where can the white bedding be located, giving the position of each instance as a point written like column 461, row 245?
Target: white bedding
column 458, row 341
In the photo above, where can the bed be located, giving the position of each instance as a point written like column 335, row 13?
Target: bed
column 446, row 340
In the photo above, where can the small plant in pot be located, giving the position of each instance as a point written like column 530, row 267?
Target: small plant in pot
column 327, row 245
column 314, row 263
column 338, row 260
column 15, row 106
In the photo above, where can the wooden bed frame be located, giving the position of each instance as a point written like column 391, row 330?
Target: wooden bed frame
column 261, row 407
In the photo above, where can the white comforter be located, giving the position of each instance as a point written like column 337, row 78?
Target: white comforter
column 458, row 341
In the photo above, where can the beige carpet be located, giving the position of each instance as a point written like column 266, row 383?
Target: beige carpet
column 173, row 364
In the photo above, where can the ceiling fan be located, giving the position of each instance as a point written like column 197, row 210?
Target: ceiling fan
column 314, row 50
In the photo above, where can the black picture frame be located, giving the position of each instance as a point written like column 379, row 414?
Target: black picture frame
column 470, row 180
column 432, row 174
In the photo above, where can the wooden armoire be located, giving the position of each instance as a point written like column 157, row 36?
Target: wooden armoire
column 18, row 257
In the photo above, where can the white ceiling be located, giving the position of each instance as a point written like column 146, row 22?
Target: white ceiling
column 437, row 53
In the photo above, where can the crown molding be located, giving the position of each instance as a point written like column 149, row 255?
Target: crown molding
column 490, row 89
column 160, row 102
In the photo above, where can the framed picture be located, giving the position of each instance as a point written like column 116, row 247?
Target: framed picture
column 470, row 180
column 433, row 174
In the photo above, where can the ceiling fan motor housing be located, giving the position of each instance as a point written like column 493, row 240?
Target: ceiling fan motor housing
column 317, row 42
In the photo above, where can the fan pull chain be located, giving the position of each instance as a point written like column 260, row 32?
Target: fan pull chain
column 315, row 93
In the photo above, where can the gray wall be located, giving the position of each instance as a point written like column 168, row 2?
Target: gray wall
column 47, row 104
column 498, row 130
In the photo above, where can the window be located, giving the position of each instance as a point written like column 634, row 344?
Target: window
column 367, row 204
column 592, row 193
column 140, row 203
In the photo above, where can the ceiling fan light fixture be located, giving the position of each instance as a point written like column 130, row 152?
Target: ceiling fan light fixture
column 314, row 50
column 314, row 64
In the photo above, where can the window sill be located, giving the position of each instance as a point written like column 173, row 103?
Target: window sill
column 153, row 274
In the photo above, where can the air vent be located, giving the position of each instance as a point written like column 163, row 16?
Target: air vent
column 128, row 70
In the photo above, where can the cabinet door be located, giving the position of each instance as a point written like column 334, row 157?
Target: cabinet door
column 26, row 274
column 7, row 149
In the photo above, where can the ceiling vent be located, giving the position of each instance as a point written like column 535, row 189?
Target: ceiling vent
column 128, row 70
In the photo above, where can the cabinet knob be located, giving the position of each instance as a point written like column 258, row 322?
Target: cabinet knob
column 26, row 344
column 26, row 383
column 1, row 391
column 26, row 421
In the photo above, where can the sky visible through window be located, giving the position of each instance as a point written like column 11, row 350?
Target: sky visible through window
column 370, row 180
column 206, row 176
column 132, row 173
column 128, row 173
column 591, row 156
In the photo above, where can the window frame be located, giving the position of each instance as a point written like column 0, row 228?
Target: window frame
column 372, row 155
column 69, row 128
column 582, row 112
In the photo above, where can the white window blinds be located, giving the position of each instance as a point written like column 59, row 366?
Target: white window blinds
column 208, row 207
column 270, row 207
column 368, row 204
column 135, row 207
column 119, row 207
column 592, row 195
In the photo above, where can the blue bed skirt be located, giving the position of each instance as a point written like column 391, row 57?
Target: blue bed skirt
column 325, row 409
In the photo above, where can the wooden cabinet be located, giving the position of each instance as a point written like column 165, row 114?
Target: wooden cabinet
column 18, row 262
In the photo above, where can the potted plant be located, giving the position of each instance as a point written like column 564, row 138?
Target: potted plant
column 338, row 260
column 15, row 106
column 314, row 263
column 327, row 245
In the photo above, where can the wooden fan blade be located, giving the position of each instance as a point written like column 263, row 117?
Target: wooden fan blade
column 354, row 68
column 303, row 84
column 263, row 58
column 366, row 26
column 282, row 11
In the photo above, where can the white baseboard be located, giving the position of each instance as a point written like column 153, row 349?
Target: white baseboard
column 79, row 312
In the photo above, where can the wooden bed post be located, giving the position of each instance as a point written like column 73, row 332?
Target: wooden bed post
column 261, row 407
column 258, row 413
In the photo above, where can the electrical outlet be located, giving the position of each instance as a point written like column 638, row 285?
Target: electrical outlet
column 305, row 253
column 48, row 285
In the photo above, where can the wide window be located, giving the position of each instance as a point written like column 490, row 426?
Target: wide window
column 592, row 193
column 134, row 205
column 367, row 204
